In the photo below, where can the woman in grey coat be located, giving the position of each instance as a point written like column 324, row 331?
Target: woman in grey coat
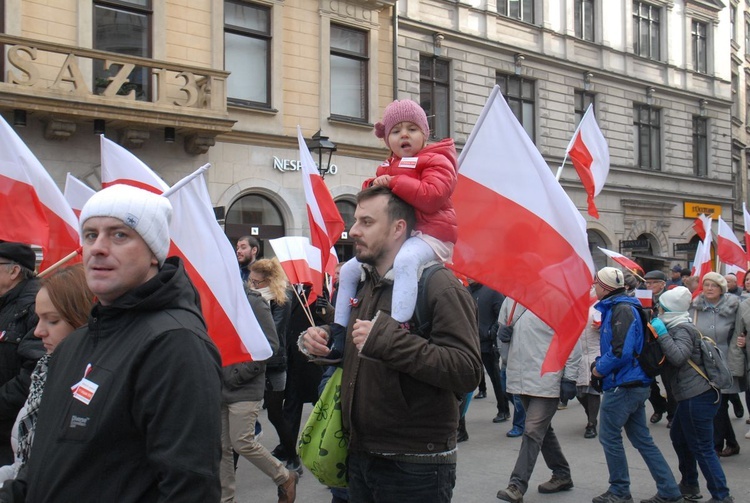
column 714, row 313
column 697, row 400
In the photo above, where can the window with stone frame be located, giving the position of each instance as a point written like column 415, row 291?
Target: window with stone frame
column 747, row 98
column 699, row 37
column 123, row 27
column 647, row 133
column 434, row 94
column 582, row 101
column 517, row 9
column 646, row 30
column 247, row 53
column 519, row 93
column 584, row 19
column 747, row 38
column 735, row 87
column 349, row 73
column 700, row 146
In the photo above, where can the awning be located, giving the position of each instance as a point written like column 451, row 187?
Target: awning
column 658, row 258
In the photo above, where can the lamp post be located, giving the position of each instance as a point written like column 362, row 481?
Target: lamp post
column 324, row 147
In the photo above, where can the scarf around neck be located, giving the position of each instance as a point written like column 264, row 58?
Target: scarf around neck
column 671, row 319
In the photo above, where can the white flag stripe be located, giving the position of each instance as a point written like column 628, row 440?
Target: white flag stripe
column 76, row 192
column 308, row 169
column 526, row 189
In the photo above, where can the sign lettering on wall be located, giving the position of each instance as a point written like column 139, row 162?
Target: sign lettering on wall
column 296, row 165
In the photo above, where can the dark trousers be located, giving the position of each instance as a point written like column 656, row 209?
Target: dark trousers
column 538, row 436
column 274, row 403
column 375, row 479
column 590, row 403
column 659, row 403
column 491, row 363
column 723, row 430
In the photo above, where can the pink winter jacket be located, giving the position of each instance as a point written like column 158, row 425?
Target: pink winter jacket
column 428, row 186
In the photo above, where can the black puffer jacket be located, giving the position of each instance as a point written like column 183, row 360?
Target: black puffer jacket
column 152, row 429
column 19, row 352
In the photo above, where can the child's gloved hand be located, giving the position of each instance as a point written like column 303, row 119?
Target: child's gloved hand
column 659, row 327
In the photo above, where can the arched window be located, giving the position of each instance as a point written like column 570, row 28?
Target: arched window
column 254, row 215
column 596, row 240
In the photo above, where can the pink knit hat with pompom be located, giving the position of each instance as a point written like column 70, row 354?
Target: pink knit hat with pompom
column 400, row 111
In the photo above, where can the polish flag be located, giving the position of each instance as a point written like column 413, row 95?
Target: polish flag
column 701, row 224
column 209, row 258
column 746, row 218
column 624, row 261
column 589, row 153
column 702, row 262
column 728, row 247
column 300, row 261
column 33, row 209
column 518, row 232
column 645, row 297
column 325, row 220
column 739, row 272
column 76, row 193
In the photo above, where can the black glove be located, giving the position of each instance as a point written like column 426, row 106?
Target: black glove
column 322, row 306
column 596, row 382
column 505, row 333
column 567, row 389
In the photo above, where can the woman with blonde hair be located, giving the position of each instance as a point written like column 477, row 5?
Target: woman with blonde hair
column 268, row 278
column 63, row 304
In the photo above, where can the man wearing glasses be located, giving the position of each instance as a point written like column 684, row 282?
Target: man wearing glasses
column 19, row 349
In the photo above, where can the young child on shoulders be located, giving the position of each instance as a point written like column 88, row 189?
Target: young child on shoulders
column 424, row 176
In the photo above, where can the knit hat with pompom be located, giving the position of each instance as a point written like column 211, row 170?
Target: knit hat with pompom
column 400, row 111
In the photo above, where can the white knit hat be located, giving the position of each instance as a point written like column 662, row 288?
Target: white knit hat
column 676, row 300
column 610, row 278
column 146, row 213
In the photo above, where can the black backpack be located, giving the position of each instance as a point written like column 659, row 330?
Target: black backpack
column 422, row 316
column 651, row 358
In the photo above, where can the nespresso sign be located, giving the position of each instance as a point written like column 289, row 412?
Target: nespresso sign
column 296, row 165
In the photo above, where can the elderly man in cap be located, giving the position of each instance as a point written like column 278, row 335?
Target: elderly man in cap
column 656, row 281
column 19, row 349
column 625, row 389
column 131, row 408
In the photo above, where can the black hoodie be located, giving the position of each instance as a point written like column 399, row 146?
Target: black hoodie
column 152, row 430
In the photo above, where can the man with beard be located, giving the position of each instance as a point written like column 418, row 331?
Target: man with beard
column 247, row 253
column 398, row 392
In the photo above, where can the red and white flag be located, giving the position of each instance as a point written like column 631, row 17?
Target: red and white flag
column 746, row 218
column 701, row 225
column 209, row 258
column 645, row 297
column 518, row 231
column 702, row 262
column 326, row 223
column 739, row 272
column 33, row 209
column 300, row 261
column 728, row 246
column 76, row 193
column 624, row 261
column 589, row 153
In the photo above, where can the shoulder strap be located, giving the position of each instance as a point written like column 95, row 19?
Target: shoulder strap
column 422, row 316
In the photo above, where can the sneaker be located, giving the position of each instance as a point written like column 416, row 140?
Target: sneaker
column 295, row 465
column 514, row 432
column 690, row 493
column 501, row 417
column 656, row 417
column 555, row 485
column 658, row 499
column 747, row 435
column 590, row 431
column 512, row 494
column 287, row 491
column 608, row 497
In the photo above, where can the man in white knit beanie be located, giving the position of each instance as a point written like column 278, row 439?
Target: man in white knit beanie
column 131, row 408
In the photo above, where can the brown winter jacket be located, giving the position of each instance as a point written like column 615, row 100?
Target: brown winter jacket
column 399, row 394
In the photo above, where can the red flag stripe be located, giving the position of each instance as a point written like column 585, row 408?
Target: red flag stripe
column 581, row 159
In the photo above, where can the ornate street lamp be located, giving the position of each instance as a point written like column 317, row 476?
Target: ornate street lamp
column 323, row 147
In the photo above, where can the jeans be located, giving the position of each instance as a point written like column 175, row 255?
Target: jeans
column 692, row 438
column 374, row 479
column 538, row 436
column 625, row 408
column 519, row 414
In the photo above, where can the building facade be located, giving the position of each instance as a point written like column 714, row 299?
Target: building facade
column 182, row 83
